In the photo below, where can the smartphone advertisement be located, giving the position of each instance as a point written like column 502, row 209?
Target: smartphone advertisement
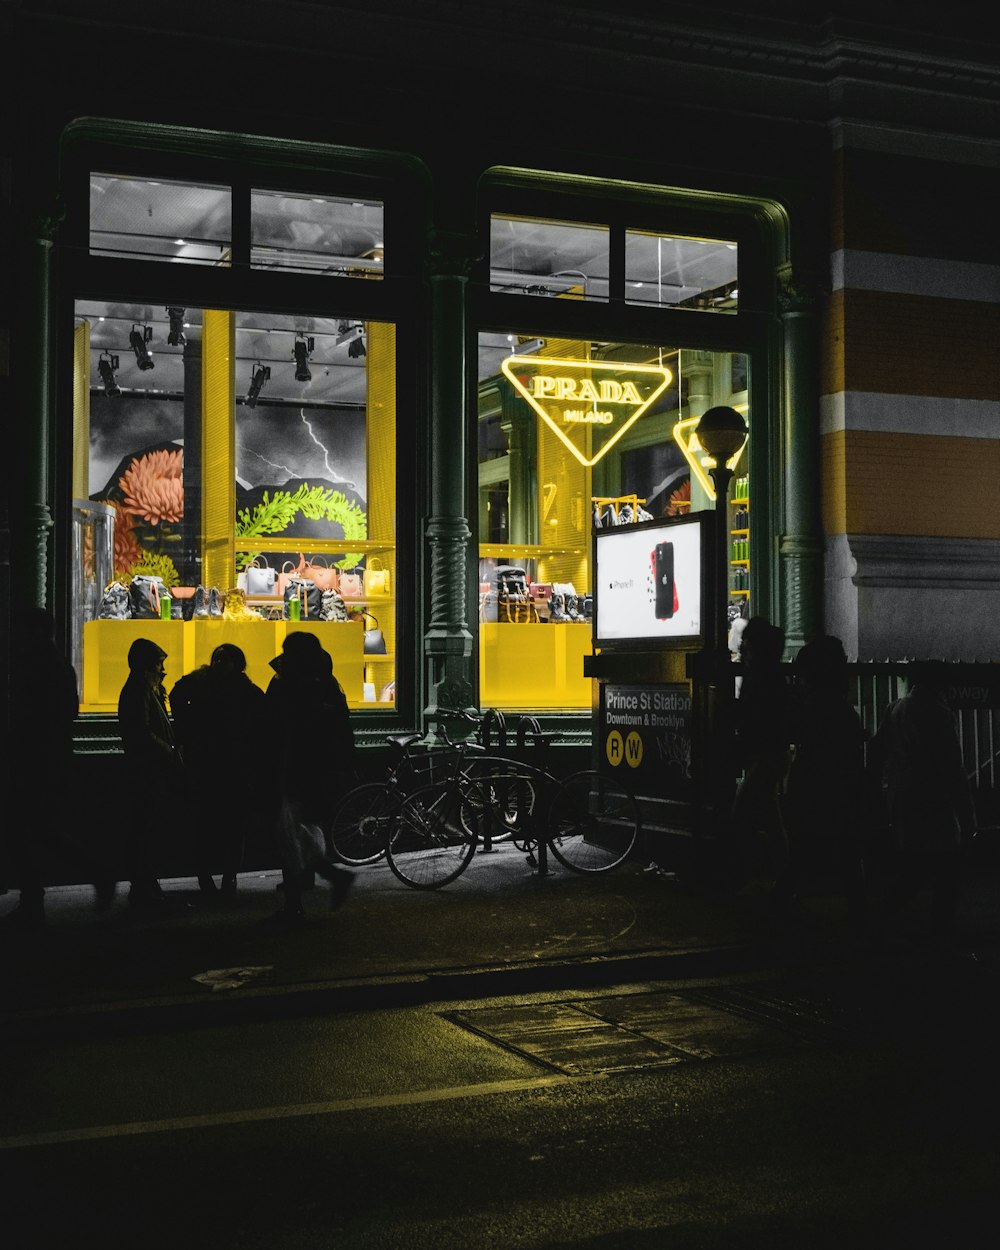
column 648, row 581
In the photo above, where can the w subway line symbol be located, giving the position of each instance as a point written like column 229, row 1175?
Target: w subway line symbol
column 628, row 749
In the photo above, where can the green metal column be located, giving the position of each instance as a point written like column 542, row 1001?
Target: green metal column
column 34, row 515
column 447, row 639
column 801, row 547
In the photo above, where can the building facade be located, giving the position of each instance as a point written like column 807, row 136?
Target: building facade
column 400, row 300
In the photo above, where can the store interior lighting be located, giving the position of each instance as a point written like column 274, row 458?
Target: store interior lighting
column 138, row 340
column 303, row 350
column 175, row 337
column 261, row 374
column 106, row 367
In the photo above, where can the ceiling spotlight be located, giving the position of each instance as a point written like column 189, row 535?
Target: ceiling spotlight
column 356, row 348
column 176, row 336
column 138, row 340
column 106, row 366
column 303, row 348
column 261, row 374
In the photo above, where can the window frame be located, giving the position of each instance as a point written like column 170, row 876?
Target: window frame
column 191, row 156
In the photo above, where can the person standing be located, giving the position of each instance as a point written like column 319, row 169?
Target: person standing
column 154, row 779
column 825, row 787
column 307, row 708
column 45, row 703
column 915, row 760
column 763, row 733
column 212, row 709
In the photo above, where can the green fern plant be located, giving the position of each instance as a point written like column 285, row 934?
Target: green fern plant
column 154, row 565
column 273, row 515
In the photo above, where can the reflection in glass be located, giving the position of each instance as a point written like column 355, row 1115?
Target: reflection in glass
column 316, row 234
column 671, row 271
column 533, row 256
column 143, row 219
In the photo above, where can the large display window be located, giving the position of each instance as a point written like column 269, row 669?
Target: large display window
column 234, row 470
column 573, row 436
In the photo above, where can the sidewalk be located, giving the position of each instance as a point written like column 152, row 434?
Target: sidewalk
column 500, row 928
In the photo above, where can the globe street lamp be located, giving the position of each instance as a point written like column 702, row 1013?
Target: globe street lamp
column 721, row 433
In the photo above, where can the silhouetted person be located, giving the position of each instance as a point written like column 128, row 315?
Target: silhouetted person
column 825, row 787
column 215, row 710
column 44, row 704
column 916, row 756
column 307, row 710
column 763, row 733
column 154, row 780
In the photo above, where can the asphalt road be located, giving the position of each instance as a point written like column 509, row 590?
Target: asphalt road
column 824, row 1110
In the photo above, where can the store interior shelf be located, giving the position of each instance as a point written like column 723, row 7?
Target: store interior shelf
column 525, row 551
column 739, row 531
column 741, row 593
column 316, row 546
column 744, row 563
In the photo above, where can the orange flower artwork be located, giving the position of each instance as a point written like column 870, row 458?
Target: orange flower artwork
column 127, row 549
column 680, row 499
column 153, row 487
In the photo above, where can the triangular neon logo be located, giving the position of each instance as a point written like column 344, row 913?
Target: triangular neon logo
column 588, row 404
column 686, row 438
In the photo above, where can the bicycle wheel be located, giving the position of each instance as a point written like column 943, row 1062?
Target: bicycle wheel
column 434, row 840
column 499, row 795
column 367, row 818
column 595, row 823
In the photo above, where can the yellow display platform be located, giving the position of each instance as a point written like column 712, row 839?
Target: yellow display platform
column 189, row 644
column 533, row 666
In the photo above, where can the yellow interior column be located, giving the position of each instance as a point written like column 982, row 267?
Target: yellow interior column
column 218, row 449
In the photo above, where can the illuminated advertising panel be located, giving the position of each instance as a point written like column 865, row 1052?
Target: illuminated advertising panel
column 650, row 582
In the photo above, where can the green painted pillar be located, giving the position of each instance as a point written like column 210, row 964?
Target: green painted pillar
column 801, row 548
column 33, row 523
column 447, row 638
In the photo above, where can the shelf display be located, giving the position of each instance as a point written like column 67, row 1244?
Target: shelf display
column 739, row 545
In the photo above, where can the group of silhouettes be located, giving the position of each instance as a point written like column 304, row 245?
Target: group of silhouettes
column 820, row 808
column 221, row 755
column 814, row 802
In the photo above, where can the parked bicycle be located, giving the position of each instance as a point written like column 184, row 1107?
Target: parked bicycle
column 439, row 804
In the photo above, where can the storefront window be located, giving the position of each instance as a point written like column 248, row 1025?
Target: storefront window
column 224, row 453
column 316, row 234
column 146, row 219
column 676, row 272
column 574, row 434
column 534, row 256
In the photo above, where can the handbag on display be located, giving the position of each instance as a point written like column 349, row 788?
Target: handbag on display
column 388, row 693
column 286, row 573
column 374, row 638
column 318, row 571
column 488, row 606
column 309, row 598
column 352, row 584
column 144, row 596
column 332, row 607
column 258, row 578
column 115, row 603
column 376, row 577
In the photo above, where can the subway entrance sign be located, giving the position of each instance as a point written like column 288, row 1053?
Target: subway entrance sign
column 645, row 738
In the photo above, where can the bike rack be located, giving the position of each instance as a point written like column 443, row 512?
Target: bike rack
column 529, row 730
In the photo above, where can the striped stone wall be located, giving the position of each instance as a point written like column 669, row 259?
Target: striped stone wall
column 910, row 407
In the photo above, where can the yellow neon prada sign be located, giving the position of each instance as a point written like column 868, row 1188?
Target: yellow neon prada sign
column 686, row 438
column 575, row 397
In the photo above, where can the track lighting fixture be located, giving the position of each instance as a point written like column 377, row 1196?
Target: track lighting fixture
column 138, row 340
column 261, row 374
column 356, row 348
column 106, row 366
column 303, row 350
column 176, row 336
